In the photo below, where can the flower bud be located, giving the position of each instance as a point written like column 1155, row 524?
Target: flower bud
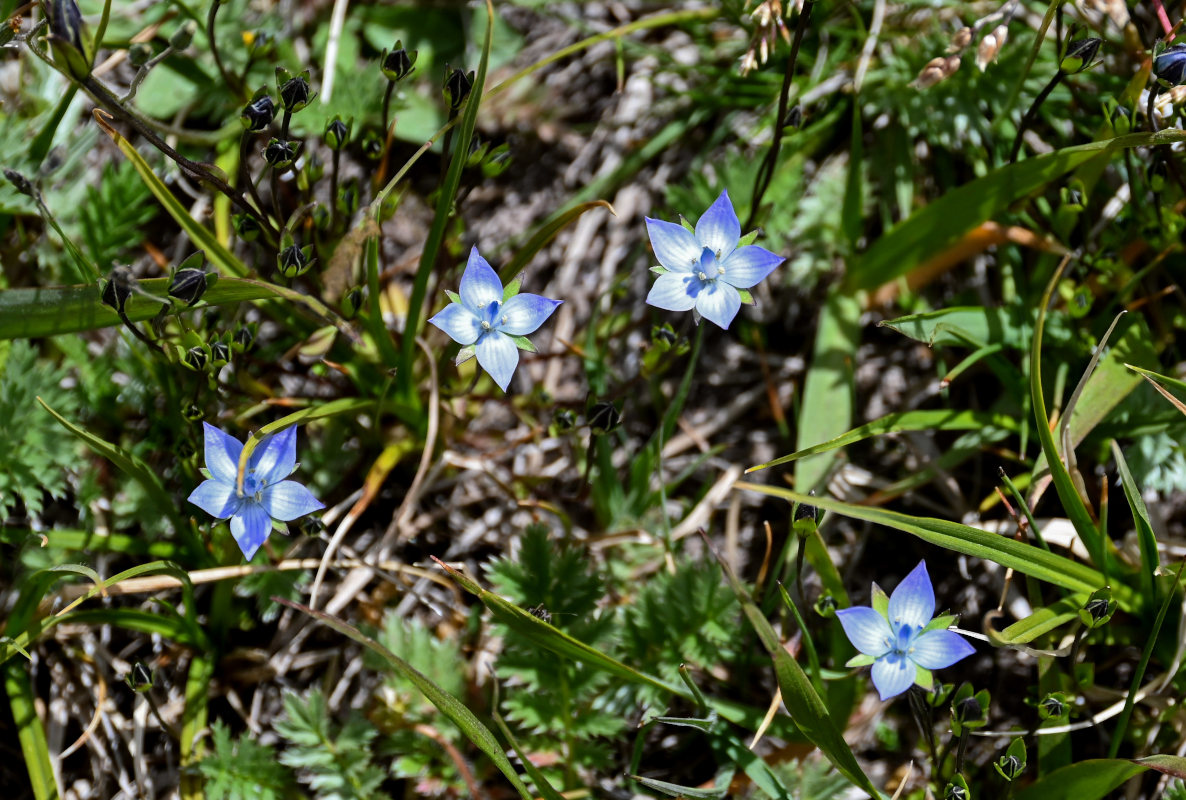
column 603, row 418
column 294, row 261
column 1098, row 609
column 139, row 679
column 295, row 92
column 246, row 226
column 68, row 38
column 1170, row 65
column 805, row 511
column 245, row 337
column 20, row 183
column 220, row 351
column 372, row 145
column 962, row 38
column 118, row 289
column 192, row 413
column 990, row 46
column 564, row 419
column 458, row 85
column 954, row 792
column 337, row 133
column 188, row 285
column 1053, row 706
column 663, row 334
column 139, row 54
column 196, row 358
column 352, row 301
column 968, row 710
column 258, row 114
column 937, row 70
column 1080, row 53
column 825, row 606
column 183, row 36
column 397, row 64
column 280, row 153
column 1009, row 767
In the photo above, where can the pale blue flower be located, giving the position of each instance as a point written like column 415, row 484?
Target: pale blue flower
column 491, row 322
column 707, row 270
column 900, row 639
column 264, row 496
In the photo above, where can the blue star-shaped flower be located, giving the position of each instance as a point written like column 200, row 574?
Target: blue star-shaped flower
column 705, row 270
column 900, row 639
column 490, row 324
column 265, row 495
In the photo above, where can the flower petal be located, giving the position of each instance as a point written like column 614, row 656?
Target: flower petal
column 462, row 325
column 250, row 527
column 718, row 228
column 274, row 458
column 498, row 355
column 288, row 500
column 893, row 675
column 675, row 291
column 938, row 649
column 913, row 601
column 222, row 454
column 480, row 285
column 749, row 265
column 866, row 629
column 524, row 313
column 675, row 247
column 216, row 498
column 718, row 302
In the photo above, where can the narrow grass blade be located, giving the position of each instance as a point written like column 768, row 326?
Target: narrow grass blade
column 449, row 705
column 1041, row 621
column 544, row 235
column 30, row 732
column 1072, row 503
column 928, row 420
column 202, row 238
column 807, row 709
column 440, row 221
column 959, row 325
column 1025, row 558
column 721, row 789
column 129, row 464
column 1146, row 539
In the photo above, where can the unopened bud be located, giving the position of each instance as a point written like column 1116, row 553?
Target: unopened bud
column 118, row 289
column 295, row 92
column 954, row 792
column 245, row 337
column 962, row 39
column 337, row 133
column 220, row 351
column 937, row 70
column 603, row 418
column 1170, row 65
column 1079, row 55
column 458, row 85
column 139, row 54
column 258, row 114
column 280, row 153
column 196, row 358
column 188, row 285
column 397, row 64
column 294, row 261
column 20, row 183
column 990, row 46
column 564, row 419
column 184, row 35
column 246, row 226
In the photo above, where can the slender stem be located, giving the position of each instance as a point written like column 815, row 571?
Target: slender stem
column 766, row 171
column 232, row 81
column 667, row 427
column 387, row 107
column 333, row 193
column 245, row 174
column 1032, row 112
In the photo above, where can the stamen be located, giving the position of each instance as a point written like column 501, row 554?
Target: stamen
column 485, row 325
column 702, row 276
column 720, row 270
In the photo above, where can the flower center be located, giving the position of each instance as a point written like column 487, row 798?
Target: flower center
column 490, row 314
column 253, row 486
column 903, row 643
column 710, row 265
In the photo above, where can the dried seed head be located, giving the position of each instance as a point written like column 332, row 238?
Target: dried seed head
column 990, row 46
column 962, row 39
column 937, row 70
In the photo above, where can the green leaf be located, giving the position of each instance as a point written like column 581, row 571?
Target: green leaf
column 1146, row 538
column 937, row 226
column 964, row 326
column 827, row 406
column 30, row 732
column 1007, row 552
column 927, row 420
column 1085, row 780
column 1041, row 621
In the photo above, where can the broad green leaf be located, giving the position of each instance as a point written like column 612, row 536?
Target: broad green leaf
column 1003, row 550
column 1085, row 780
column 449, row 705
column 928, row 420
column 1041, row 621
column 34, row 313
column 960, row 326
column 827, row 407
column 940, row 224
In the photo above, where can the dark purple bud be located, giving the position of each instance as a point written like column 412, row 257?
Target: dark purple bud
column 1079, row 55
column 1170, row 66
column 458, row 85
column 337, row 133
column 280, row 153
column 295, row 93
column 188, row 285
column 397, row 64
column 20, row 183
column 258, row 114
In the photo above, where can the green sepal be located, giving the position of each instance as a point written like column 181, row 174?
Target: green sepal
column 924, row 678
column 464, row 354
column 524, row 344
column 941, row 623
column 454, row 297
column 746, row 297
column 660, row 270
column 880, row 601
column 859, row 660
column 687, row 225
column 749, row 238
column 511, row 289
